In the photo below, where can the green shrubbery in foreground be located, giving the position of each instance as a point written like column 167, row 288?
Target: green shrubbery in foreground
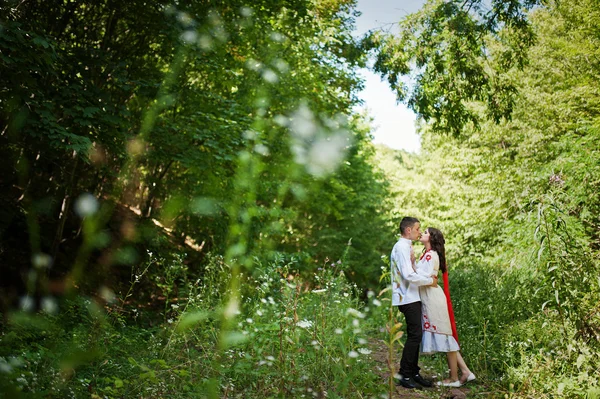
column 291, row 338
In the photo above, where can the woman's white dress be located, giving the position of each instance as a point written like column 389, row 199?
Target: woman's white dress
column 437, row 331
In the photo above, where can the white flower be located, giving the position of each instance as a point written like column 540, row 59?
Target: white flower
column 355, row 313
column 246, row 11
column 249, row 320
column 189, row 36
column 319, row 291
column 376, row 302
column 41, row 260
column 364, row 351
column 339, row 331
column 362, row 341
column 353, row 354
column 49, row 305
column 170, row 321
column 232, row 308
column 26, row 303
column 86, row 205
column 355, row 322
column 304, row 324
column 269, row 76
column 108, row 295
column 5, row 367
column 259, row 312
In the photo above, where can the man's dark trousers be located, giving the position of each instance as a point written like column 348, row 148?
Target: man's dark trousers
column 409, row 364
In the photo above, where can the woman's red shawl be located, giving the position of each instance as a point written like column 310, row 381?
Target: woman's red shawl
column 449, row 303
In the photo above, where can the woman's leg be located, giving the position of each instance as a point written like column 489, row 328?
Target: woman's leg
column 464, row 369
column 453, row 365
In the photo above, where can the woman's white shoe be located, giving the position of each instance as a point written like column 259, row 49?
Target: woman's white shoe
column 453, row 384
column 470, row 377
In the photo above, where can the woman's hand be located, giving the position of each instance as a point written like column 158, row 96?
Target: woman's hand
column 435, row 280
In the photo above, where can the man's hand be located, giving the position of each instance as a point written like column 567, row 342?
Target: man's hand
column 435, row 281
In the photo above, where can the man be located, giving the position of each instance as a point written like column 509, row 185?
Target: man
column 405, row 295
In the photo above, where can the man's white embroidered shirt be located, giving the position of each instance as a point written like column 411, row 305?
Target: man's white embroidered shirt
column 405, row 280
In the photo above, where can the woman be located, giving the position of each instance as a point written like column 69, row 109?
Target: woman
column 439, row 329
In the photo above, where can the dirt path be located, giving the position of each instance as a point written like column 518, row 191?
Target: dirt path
column 379, row 353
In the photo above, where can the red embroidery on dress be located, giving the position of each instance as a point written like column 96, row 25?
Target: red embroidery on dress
column 426, row 325
column 428, row 258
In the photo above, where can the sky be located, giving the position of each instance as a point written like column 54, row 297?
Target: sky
column 394, row 124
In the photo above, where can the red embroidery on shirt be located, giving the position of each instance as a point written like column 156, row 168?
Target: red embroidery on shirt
column 428, row 258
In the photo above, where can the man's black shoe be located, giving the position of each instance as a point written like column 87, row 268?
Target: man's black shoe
column 422, row 381
column 407, row 383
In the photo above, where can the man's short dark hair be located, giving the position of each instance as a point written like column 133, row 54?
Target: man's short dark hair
column 407, row 222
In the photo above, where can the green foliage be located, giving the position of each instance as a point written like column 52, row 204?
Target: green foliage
column 288, row 340
column 517, row 203
column 445, row 48
column 167, row 168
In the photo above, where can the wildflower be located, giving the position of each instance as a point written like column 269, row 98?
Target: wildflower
column 170, row 321
column 49, row 305
column 355, row 322
column 270, row 76
column 5, row 367
column 339, row 331
column 362, row 341
column 107, row 294
column 364, row 351
column 319, row 291
column 355, row 313
column 41, row 260
column 376, row 302
column 249, row 320
column 259, row 312
column 353, row 354
column 304, row 324
column 26, row 303
column 556, row 179
column 232, row 308
column 86, row 205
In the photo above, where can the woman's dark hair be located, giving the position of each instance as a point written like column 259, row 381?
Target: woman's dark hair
column 436, row 239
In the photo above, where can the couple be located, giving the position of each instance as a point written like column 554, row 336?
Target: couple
column 426, row 307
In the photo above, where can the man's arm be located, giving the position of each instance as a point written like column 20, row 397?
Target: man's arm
column 404, row 266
